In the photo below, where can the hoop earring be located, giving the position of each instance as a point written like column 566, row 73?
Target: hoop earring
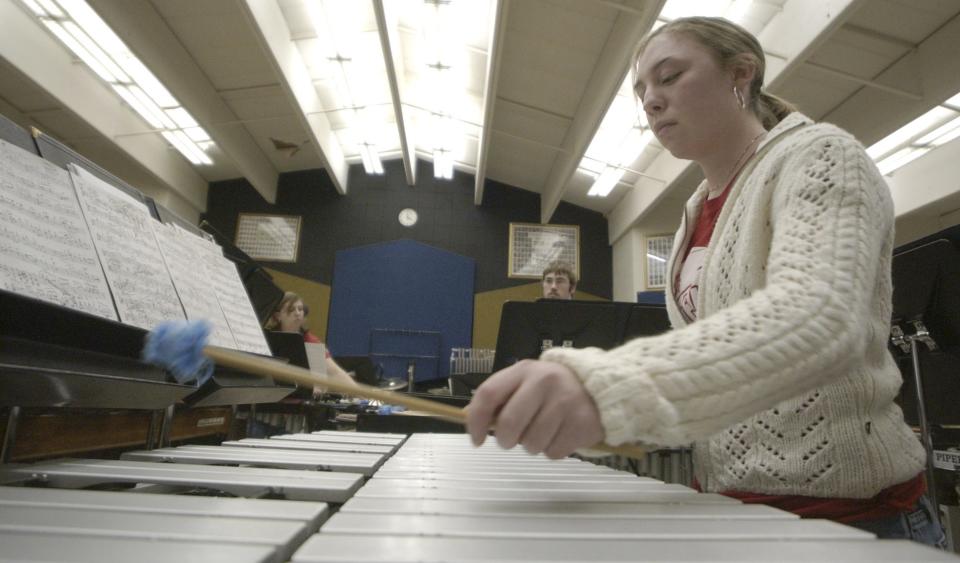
column 739, row 96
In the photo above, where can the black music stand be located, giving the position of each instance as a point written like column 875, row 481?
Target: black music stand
column 926, row 310
column 527, row 329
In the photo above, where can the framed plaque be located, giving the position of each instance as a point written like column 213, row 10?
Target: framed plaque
column 275, row 238
column 533, row 246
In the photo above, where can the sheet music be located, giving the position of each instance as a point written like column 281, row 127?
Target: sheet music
column 197, row 295
column 45, row 248
column 123, row 237
column 316, row 357
column 233, row 298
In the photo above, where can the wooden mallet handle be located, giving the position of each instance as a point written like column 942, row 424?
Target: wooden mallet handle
column 293, row 374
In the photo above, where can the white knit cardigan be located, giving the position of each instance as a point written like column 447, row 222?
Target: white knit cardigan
column 785, row 381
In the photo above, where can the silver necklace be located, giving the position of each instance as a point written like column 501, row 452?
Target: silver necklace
column 736, row 165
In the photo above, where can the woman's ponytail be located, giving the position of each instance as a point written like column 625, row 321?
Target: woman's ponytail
column 772, row 109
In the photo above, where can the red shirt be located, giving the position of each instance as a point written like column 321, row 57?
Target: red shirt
column 888, row 502
column 707, row 220
column 686, row 282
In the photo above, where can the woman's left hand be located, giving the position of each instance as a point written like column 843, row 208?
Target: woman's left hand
column 540, row 405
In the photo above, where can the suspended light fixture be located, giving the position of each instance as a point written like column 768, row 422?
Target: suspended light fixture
column 436, row 32
column 335, row 52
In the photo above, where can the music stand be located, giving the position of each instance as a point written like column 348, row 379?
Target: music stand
column 526, row 329
column 926, row 310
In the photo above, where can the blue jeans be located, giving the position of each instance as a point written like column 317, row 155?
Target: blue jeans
column 921, row 524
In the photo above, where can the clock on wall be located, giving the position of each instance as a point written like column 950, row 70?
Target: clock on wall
column 408, row 217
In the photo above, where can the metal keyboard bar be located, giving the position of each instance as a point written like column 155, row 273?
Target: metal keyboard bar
column 481, row 468
column 312, row 446
column 541, row 526
column 545, row 484
column 364, row 464
column 281, row 537
column 500, row 476
column 361, row 437
column 45, row 547
column 582, row 495
column 240, row 481
column 393, row 443
column 312, row 514
column 729, row 509
column 325, row 547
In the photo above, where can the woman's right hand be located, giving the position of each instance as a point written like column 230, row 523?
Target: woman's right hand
column 537, row 404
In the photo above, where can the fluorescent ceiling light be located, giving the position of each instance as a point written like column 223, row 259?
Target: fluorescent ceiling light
column 194, row 155
column 900, row 158
column 735, row 10
column 439, row 49
column 439, row 76
column 634, row 143
column 50, row 7
column 918, row 126
column 621, row 138
column 442, row 164
column 655, row 257
column 64, row 36
column 371, row 160
column 606, row 181
column 941, row 135
column 937, row 127
column 85, row 34
column 338, row 56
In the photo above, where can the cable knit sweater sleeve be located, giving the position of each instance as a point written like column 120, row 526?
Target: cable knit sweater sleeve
column 764, row 336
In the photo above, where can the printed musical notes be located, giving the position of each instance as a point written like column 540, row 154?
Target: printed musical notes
column 186, row 266
column 123, row 236
column 72, row 239
column 45, row 247
column 223, row 276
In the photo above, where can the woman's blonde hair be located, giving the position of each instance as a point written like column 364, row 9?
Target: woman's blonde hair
column 730, row 44
column 289, row 298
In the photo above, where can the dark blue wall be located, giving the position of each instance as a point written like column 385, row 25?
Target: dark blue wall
column 448, row 220
column 384, row 293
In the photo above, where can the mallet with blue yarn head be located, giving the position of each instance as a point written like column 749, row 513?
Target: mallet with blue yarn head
column 181, row 347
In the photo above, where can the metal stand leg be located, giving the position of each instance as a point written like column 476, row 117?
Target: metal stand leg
column 922, row 415
column 10, row 435
column 232, row 429
column 165, row 427
column 154, row 429
column 910, row 344
column 251, row 419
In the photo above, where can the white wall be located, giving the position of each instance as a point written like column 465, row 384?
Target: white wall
column 628, row 266
column 926, row 193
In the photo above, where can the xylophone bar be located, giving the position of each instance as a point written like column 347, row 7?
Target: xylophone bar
column 35, row 521
column 240, row 481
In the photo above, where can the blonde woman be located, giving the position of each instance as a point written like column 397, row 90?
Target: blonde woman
column 780, row 296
